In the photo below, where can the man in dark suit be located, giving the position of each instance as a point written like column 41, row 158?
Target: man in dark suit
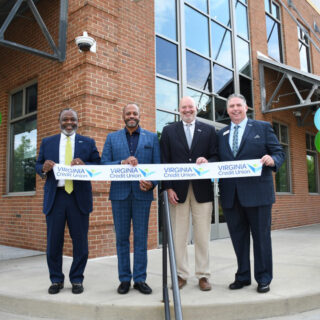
column 190, row 141
column 131, row 200
column 66, row 200
column 247, row 202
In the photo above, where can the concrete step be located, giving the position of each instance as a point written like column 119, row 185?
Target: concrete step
column 295, row 288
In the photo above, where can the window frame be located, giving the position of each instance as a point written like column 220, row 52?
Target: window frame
column 279, row 22
column 287, row 155
column 24, row 116
column 305, row 44
column 314, row 153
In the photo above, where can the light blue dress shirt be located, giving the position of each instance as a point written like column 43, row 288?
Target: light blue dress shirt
column 242, row 127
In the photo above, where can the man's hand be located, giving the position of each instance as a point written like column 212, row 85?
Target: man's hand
column 201, row 160
column 145, row 185
column 131, row 160
column 47, row 166
column 267, row 161
column 77, row 162
column 173, row 198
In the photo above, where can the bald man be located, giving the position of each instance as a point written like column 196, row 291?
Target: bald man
column 190, row 141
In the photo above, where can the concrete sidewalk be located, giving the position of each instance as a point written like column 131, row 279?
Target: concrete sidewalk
column 295, row 288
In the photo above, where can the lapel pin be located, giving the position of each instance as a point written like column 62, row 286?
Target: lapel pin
column 257, row 137
column 80, row 141
column 249, row 124
column 226, row 132
column 199, row 130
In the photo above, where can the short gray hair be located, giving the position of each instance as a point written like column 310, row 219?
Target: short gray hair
column 68, row 109
column 236, row 95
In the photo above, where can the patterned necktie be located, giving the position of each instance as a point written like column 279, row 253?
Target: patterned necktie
column 188, row 135
column 235, row 141
column 68, row 186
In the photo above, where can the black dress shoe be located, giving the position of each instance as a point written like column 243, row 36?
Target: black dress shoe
column 142, row 287
column 238, row 284
column 263, row 288
column 55, row 287
column 124, row 287
column 77, row 288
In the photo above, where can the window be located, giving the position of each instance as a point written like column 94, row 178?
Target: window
column 312, row 164
column 273, row 24
column 207, row 56
column 283, row 175
column 304, row 50
column 22, row 139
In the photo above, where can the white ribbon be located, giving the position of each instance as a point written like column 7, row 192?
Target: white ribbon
column 173, row 171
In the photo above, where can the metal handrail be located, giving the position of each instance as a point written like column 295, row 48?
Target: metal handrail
column 167, row 244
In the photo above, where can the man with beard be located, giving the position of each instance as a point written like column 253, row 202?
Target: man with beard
column 66, row 200
column 131, row 200
column 190, row 141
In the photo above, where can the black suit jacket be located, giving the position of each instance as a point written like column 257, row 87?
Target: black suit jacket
column 174, row 149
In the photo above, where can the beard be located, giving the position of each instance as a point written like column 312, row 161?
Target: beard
column 132, row 125
column 69, row 133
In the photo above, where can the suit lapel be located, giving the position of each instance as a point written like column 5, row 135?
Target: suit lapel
column 76, row 147
column 142, row 137
column 245, row 134
column 182, row 135
column 196, row 135
column 124, row 141
column 226, row 138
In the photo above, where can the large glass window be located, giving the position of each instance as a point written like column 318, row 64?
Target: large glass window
column 273, row 24
column 23, row 139
column 283, row 175
column 312, row 164
column 304, row 50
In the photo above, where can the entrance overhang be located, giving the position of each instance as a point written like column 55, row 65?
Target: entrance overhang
column 9, row 9
column 305, row 87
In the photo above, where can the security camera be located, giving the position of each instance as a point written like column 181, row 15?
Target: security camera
column 86, row 43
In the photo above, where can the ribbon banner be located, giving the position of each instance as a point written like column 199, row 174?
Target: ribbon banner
column 173, row 171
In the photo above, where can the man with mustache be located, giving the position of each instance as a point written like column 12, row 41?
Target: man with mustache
column 190, row 141
column 66, row 200
column 131, row 200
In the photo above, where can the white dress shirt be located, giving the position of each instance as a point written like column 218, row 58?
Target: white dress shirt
column 62, row 152
column 192, row 127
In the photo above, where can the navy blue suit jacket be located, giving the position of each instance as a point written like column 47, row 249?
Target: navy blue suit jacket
column 85, row 149
column 258, row 140
column 116, row 149
column 174, row 149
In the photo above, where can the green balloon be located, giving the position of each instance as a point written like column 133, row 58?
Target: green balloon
column 317, row 141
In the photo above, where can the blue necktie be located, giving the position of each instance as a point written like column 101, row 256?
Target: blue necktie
column 235, row 141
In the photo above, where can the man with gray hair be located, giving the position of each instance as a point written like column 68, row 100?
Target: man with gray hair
column 66, row 201
column 247, row 202
column 190, row 141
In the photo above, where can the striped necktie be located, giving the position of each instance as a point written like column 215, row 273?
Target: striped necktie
column 68, row 186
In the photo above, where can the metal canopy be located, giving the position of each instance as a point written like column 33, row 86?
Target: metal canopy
column 9, row 9
column 306, row 86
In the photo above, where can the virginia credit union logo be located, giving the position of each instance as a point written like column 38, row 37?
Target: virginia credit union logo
column 255, row 167
column 93, row 173
column 146, row 173
column 200, row 171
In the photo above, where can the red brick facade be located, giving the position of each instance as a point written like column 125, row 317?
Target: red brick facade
column 98, row 85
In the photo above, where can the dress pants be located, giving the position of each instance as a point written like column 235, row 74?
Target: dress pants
column 123, row 212
column 242, row 220
column 65, row 209
column 201, row 221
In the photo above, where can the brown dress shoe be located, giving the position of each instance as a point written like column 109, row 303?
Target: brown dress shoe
column 204, row 284
column 181, row 282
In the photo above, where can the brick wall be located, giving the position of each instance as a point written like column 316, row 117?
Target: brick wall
column 299, row 207
column 96, row 85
